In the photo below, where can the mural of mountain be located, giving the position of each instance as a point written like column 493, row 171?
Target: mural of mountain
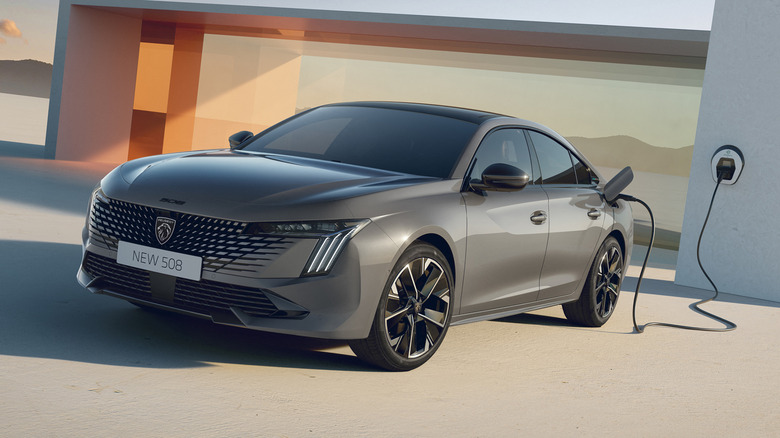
column 622, row 150
column 26, row 77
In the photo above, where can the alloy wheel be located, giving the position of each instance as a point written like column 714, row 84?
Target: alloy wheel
column 417, row 307
column 608, row 281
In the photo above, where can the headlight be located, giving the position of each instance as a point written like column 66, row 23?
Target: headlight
column 332, row 236
column 328, row 249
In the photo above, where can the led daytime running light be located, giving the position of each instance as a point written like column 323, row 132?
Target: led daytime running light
column 301, row 229
column 328, row 249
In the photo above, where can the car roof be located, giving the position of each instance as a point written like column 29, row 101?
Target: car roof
column 467, row 115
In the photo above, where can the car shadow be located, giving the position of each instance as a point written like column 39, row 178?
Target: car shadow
column 534, row 319
column 561, row 322
column 46, row 314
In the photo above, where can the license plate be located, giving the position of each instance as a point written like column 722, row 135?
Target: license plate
column 159, row 260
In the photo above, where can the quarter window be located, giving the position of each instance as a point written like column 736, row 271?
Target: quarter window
column 582, row 172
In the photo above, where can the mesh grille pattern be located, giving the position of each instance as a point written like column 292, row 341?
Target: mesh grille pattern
column 207, row 294
column 126, row 280
column 219, row 242
column 199, row 296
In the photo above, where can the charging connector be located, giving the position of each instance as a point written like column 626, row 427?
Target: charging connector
column 727, row 164
column 725, row 169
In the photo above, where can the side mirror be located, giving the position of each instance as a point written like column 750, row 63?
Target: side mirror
column 616, row 185
column 503, row 178
column 238, row 138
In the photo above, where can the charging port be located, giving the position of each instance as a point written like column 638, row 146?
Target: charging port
column 727, row 164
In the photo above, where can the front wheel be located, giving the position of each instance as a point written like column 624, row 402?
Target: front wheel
column 413, row 313
column 602, row 288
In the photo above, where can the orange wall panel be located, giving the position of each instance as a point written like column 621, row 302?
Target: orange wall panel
column 153, row 79
column 183, row 94
column 146, row 134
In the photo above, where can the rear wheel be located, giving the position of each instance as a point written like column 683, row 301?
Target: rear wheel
column 413, row 314
column 602, row 288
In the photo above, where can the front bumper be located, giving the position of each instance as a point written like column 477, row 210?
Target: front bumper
column 339, row 305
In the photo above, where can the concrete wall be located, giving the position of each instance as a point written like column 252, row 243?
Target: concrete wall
column 664, row 14
column 94, row 109
column 740, row 106
column 92, row 117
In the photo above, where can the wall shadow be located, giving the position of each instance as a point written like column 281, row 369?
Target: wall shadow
column 46, row 314
column 670, row 289
column 64, row 186
column 21, row 150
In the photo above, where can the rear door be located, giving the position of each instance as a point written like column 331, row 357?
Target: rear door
column 576, row 216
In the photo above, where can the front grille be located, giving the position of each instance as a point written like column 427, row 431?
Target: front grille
column 126, row 280
column 206, row 294
column 221, row 244
column 203, row 296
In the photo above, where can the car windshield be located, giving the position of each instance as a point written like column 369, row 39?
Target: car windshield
column 389, row 139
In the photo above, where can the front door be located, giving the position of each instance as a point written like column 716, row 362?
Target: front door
column 505, row 247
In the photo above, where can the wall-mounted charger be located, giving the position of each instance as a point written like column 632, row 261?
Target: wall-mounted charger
column 727, row 162
column 727, row 165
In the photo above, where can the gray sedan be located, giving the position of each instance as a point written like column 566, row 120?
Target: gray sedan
column 378, row 223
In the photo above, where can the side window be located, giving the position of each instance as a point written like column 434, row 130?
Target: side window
column 502, row 146
column 554, row 159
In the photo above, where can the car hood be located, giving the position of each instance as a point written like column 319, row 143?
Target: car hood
column 236, row 183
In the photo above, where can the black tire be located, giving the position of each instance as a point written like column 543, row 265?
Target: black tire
column 413, row 314
column 602, row 288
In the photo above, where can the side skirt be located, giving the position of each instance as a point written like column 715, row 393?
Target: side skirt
column 509, row 311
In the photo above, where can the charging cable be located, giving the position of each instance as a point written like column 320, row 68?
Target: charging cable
column 695, row 306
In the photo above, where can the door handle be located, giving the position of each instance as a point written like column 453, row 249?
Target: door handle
column 538, row 217
column 594, row 214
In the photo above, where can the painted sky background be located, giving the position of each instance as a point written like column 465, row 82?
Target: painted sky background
column 37, row 19
column 37, row 22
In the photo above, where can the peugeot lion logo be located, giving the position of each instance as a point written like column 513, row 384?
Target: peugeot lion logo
column 164, row 229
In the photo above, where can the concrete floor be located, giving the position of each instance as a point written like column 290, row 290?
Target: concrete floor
column 76, row 364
